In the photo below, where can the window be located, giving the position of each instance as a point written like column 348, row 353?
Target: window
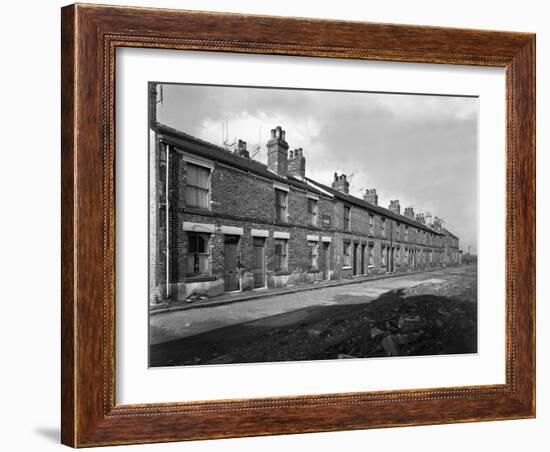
column 313, row 252
column 198, row 183
column 383, row 227
column 371, row 223
column 397, row 230
column 198, row 256
column 346, row 218
column 406, row 233
column 347, row 257
column 383, row 256
column 371, row 254
column 312, row 211
column 281, row 205
column 281, row 255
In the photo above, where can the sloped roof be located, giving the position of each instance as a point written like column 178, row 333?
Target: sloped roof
column 222, row 155
column 217, row 153
column 447, row 232
column 373, row 207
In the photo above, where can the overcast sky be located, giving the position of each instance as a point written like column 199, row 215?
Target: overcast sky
column 419, row 149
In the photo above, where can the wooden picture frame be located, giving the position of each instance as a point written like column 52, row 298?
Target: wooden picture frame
column 90, row 36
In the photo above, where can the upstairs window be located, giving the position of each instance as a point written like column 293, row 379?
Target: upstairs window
column 281, row 206
column 346, row 217
column 371, row 223
column 198, row 254
column 198, row 186
column 383, row 227
column 312, row 211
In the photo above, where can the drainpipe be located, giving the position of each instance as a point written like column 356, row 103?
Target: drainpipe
column 167, row 196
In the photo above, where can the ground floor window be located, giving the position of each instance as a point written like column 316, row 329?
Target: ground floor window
column 313, row 255
column 383, row 256
column 347, row 256
column 198, row 254
column 281, row 257
column 371, row 255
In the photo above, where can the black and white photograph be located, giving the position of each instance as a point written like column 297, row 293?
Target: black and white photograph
column 302, row 225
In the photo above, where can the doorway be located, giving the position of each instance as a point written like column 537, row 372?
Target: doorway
column 258, row 264
column 325, row 260
column 231, row 262
column 355, row 247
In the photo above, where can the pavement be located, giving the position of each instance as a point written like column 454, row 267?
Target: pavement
column 172, row 325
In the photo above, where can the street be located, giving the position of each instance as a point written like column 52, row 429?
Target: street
column 235, row 325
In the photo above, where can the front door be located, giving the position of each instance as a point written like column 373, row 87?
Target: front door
column 231, row 277
column 355, row 246
column 325, row 262
column 258, row 269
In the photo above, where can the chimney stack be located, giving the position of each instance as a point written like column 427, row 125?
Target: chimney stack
column 438, row 223
column 395, row 207
column 241, row 149
column 297, row 163
column 428, row 217
column 277, row 148
column 420, row 218
column 409, row 213
column 371, row 196
column 340, row 183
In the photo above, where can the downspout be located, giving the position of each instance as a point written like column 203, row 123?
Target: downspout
column 167, row 196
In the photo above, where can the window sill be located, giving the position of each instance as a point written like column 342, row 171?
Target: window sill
column 199, row 210
column 204, row 278
column 281, row 273
column 346, row 267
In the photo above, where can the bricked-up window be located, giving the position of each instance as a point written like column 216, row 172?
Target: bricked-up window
column 198, row 255
column 346, row 218
column 312, row 211
column 281, row 258
column 313, row 254
column 198, row 186
column 281, row 197
column 347, row 255
column 371, row 223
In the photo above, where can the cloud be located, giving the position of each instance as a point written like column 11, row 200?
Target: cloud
column 420, row 149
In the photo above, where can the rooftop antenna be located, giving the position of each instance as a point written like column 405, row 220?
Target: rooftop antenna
column 257, row 150
column 229, row 146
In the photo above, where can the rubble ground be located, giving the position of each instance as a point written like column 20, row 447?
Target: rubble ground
column 432, row 318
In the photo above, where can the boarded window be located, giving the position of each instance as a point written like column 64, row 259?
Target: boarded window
column 281, row 263
column 312, row 210
column 198, row 254
column 281, row 205
column 313, row 254
column 198, row 183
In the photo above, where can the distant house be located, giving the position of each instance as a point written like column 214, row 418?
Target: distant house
column 221, row 221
